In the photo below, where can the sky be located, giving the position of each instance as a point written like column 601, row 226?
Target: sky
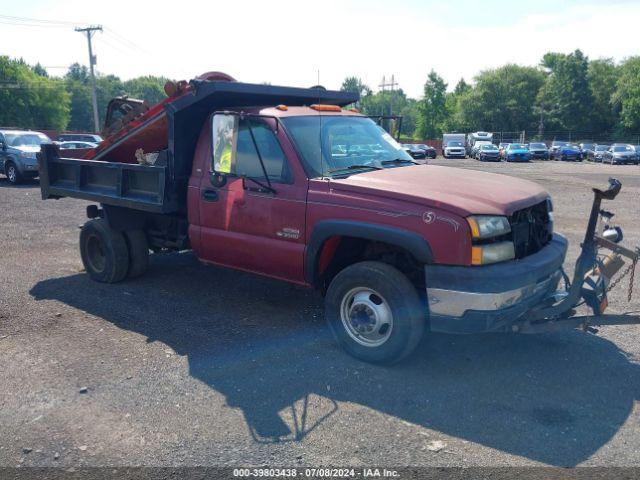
column 295, row 42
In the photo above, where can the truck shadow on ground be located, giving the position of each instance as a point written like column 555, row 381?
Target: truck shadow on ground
column 556, row 398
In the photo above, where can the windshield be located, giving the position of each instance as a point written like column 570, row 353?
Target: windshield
column 538, row 145
column 517, row 146
column 488, row 147
column 454, row 144
column 26, row 139
column 587, row 146
column 332, row 145
column 602, row 148
column 622, row 148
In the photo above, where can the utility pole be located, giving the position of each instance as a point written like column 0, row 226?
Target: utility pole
column 92, row 61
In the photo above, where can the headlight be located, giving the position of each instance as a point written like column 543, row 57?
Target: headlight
column 492, row 253
column 487, row 226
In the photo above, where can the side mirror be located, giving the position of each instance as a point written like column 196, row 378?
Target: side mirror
column 3, row 146
column 224, row 136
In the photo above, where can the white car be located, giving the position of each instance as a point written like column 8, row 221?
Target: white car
column 74, row 145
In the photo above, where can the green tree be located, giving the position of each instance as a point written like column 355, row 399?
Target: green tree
column 147, row 88
column 29, row 99
column 502, row 99
column 626, row 97
column 355, row 84
column 432, row 109
column 391, row 102
column 602, row 75
column 454, row 121
column 567, row 98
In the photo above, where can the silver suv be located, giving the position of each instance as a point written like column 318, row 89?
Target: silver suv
column 18, row 149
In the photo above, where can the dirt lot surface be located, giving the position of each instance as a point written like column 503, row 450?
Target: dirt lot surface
column 196, row 365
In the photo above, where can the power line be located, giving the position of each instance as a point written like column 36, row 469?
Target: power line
column 37, row 20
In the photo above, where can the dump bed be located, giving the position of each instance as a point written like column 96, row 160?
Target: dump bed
column 111, row 178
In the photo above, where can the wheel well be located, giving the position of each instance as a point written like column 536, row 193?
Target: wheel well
column 338, row 252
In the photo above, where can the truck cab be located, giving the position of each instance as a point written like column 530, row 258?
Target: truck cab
column 318, row 195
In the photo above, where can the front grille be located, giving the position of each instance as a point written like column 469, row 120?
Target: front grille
column 531, row 228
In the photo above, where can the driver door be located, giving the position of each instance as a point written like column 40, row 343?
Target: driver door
column 244, row 225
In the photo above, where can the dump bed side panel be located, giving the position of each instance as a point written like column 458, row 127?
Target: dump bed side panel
column 140, row 187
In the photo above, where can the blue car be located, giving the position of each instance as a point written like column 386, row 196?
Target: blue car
column 517, row 152
column 570, row 152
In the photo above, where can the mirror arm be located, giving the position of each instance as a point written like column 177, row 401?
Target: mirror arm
column 263, row 188
column 255, row 144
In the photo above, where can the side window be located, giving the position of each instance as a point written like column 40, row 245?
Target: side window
column 247, row 160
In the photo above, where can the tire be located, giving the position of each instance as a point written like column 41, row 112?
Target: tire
column 13, row 174
column 138, row 252
column 362, row 286
column 104, row 251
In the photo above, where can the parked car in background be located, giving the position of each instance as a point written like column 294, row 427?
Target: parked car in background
column 569, row 153
column 474, row 139
column 620, row 153
column 488, row 153
column 430, row 151
column 74, row 145
column 18, row 149
column 597, row 153
column 79, row 137
column 477, row 145
column 448, row 138
column 538, row 150
column 556, row 145
column 517, row 152
column 415, row 152
column 586, row 148
column 454, row 150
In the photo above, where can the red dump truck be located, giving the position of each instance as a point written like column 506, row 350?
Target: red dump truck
column 287, row 183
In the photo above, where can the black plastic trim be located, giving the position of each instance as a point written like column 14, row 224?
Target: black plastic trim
column 323, row 230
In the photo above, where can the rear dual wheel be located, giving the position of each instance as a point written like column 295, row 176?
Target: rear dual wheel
column 108, row 255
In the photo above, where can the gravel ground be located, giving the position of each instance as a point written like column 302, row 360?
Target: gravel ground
column 196, row 365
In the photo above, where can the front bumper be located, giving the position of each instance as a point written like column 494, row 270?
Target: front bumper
column 494, row 297
column 540, row 155
column 454, row 153
column 28, row 169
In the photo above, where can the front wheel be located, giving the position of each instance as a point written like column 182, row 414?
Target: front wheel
column 12, row 173
column 374, row 312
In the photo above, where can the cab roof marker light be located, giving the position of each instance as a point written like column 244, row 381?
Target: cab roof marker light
column 319, row 107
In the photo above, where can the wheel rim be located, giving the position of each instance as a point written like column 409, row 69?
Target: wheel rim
column 366, row 316
column 11, row 173
column 95, row 253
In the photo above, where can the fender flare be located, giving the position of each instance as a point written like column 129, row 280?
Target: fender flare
column 323, row 230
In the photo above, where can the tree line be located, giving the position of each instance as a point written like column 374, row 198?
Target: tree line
column 30, row 98
column 564, row 93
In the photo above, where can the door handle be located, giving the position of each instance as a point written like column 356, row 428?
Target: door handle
column 210, row 195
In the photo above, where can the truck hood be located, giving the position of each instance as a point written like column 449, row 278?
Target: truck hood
column 459, row 191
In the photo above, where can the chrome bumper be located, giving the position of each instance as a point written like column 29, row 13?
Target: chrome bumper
column 492, row 297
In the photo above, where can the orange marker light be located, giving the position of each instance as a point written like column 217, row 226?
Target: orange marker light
column 475, row 230
column 284, row 108
column 326, row 108
column 476, row 255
